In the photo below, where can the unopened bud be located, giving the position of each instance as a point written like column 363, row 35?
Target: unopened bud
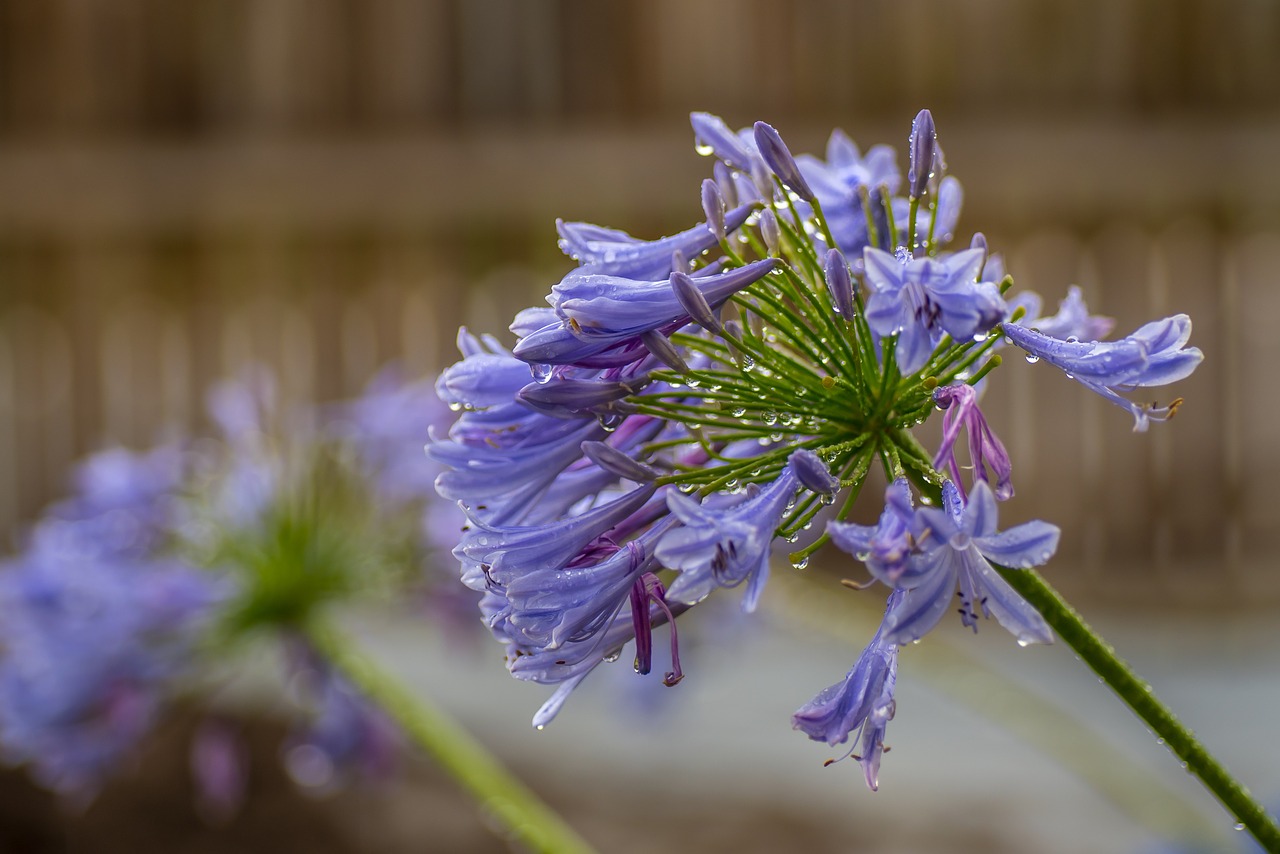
column 923, row 145
column 839, row 284
column 778, row 156
column 713, row 207
column 770, row 233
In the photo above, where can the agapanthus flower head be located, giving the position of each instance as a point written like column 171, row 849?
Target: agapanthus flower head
column 651, row 436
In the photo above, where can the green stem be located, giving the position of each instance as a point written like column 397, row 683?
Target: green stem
column 518, row 809
column 1137, row 695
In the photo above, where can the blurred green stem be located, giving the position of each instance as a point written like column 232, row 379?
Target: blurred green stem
column 515, row 806
column 1137, row 695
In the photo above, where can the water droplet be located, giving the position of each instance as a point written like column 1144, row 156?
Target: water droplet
column 611, row 421
column 771, row 418
column 863, row 556
column 748, row 363
column 792, row 538
column 703, row 149
column 1239, row 825
column 979, row 337
column 1073, row 340
column 541, row 373
column 1025, row 642
column 800, row 563
column 1031, row 360
column 454, row 406
column 828, row 500
column 541, row 727
column 613, row 656
column 693, row 382
column 738, row 411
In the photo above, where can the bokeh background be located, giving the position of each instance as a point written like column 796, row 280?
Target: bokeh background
column 326, row 185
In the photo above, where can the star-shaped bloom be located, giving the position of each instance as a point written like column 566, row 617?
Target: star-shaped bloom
column 719, row 546
column 918, row 299
column 954, row 548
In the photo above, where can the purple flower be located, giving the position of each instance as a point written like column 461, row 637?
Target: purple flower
column 986, row 451
column 610, row 252
column 713, row 136
column 219, row 769
column 554, row 605
column 924, row 153
column 126, row 504
column 919, row 299
column 1154, row 355
column 510, row 552
column 1073, row 319
column 611, row 308
column 864, row 699
column 778, row 157
column 388, row 426
column 345, row 734
column 953, row 548
column 719, row 546
column 886, row 547
column 89, row 651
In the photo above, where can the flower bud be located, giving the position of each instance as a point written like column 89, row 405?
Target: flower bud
column 839, row 284
column 616, row 462
column 694, row 302
column 813, row 473
column 769, row 231
column 775, row 153
column 924, row 145
column 713, row 207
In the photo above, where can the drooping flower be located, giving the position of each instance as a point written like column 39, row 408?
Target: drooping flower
column 1154, row 355
column 986, row 452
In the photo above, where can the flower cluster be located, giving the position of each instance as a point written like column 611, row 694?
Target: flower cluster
column 683, row 403
column 163, row 562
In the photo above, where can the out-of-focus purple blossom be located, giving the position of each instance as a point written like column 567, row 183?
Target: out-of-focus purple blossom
column 125, row 504
column 219, row 769
column 1154, row 355
column 89, row 651
column 388, row 426
column 345, row 734
column 1072, row 320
